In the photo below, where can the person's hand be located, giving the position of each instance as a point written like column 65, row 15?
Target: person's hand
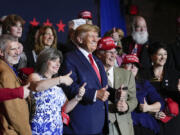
column 178, row 86
column 82, row 90
column 115, row 35
column 160, row 115
column 144, row 107
column 71, row 24
column 122, row 106
column 26, row 90
column 66, row 79
column 121, row 94
column 102, row 94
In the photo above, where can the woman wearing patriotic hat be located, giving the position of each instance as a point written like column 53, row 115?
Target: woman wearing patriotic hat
column 149, row 100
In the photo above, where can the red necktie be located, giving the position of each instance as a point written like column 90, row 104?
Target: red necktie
column 94, row 67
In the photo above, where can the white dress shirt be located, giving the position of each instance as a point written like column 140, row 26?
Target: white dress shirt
column 85, row 53
column 110, row 75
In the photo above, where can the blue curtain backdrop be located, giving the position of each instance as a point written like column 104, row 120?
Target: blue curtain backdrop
column 111, row 15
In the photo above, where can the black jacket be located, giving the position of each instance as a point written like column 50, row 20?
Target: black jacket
column 144, row 55
column 168, row 86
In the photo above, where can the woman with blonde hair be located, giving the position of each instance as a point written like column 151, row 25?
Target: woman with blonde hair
column 47, row 38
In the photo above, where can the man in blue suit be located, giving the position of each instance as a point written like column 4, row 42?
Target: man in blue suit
column 89, row 117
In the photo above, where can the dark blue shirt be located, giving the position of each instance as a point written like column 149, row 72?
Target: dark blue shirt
column 145, row 90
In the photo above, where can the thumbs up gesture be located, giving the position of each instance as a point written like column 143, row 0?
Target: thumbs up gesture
column 120, row 94
column 144, row 107
column 82, row 90
column 102, row 94
column 26, row 90
column 66, row 79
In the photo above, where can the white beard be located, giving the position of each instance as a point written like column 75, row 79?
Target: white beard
column 11, row 60
column 140, row 37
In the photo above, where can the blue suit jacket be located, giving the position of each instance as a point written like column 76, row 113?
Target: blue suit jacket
column 88, row 117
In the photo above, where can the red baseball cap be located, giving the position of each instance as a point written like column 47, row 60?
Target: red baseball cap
column 85, row 14
column 130, row 58
column 171, row 110
column 106, row 43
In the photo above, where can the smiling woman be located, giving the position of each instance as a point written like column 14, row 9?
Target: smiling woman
column 149, row 101
column 13, row 25
column 166, row 81
column 48, row 99
column 47, row 38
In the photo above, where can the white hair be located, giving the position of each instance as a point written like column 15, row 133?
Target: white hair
column 4, row 39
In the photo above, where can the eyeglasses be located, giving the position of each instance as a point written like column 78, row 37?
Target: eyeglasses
column 111, row 52
column 131, row 65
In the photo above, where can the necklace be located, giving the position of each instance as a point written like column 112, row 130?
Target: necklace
column 158, row 76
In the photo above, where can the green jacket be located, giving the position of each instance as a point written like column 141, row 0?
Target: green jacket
column 124, row 120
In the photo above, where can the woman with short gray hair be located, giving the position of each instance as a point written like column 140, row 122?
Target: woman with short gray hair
column 48, row 99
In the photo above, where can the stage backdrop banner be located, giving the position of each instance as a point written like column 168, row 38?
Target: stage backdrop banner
column 53, row 12
column 112, row 15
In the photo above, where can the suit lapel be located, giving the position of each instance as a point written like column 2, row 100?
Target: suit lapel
column 102, row 72
column 117, row 79
column 85, row 62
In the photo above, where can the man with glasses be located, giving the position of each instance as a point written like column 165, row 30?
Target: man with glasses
column 122, row 100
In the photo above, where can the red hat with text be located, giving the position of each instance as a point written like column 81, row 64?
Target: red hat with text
column 106, row 43
column 130, row 58
column 85, row 15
